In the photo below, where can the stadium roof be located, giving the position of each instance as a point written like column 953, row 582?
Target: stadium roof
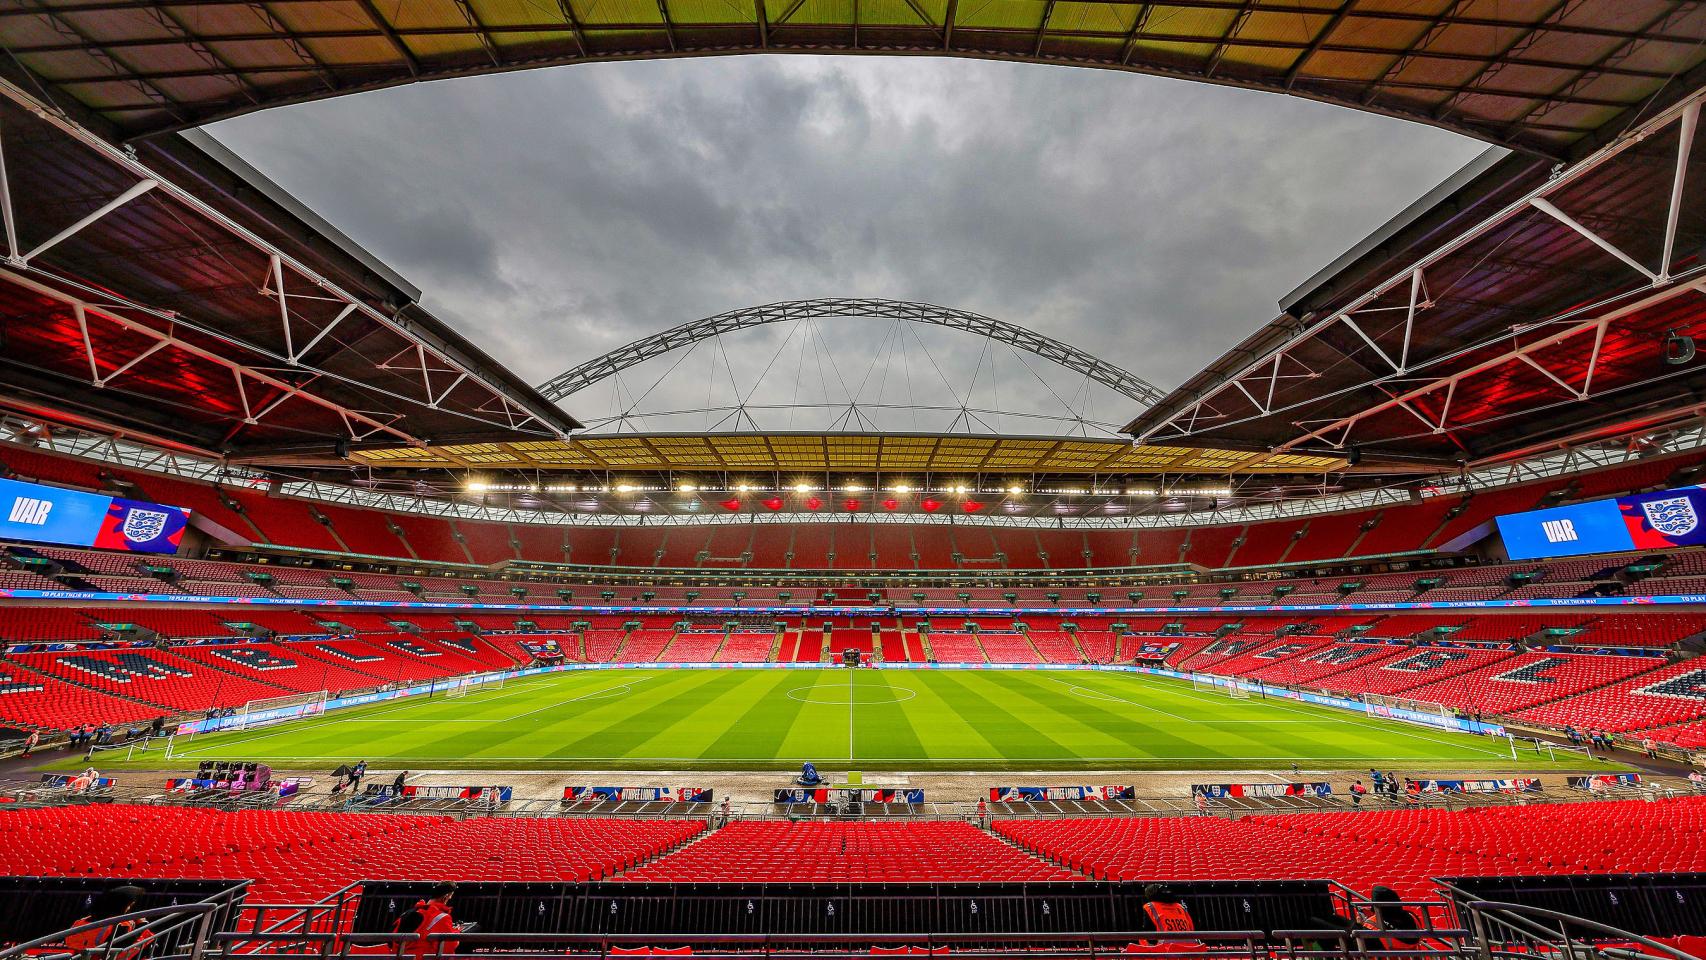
column 140, row 294
column 1536, row 76
column 1523, row 306
column 808, row 454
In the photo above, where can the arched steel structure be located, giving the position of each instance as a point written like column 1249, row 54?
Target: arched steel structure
column 579, row 378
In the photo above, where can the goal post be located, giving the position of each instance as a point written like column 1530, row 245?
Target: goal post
column 270, row 710
column 462, row 686
column 1383, row 705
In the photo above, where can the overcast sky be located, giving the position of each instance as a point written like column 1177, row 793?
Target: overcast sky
column 555, row 214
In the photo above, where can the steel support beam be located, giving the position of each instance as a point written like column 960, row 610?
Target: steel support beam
column 572, row 381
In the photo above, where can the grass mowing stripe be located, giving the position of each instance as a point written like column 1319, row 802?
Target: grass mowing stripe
column 638, row 718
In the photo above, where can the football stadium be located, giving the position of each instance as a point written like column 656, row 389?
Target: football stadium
column 855, row 625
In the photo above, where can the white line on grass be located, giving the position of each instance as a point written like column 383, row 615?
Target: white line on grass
column 585, row 696
column 1391, row 726
column 1111, row 696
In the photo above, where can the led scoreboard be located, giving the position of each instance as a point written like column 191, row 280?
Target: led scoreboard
column 42, row 514
column 1643, row 521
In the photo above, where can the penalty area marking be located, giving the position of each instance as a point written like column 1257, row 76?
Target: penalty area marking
column 852, row 701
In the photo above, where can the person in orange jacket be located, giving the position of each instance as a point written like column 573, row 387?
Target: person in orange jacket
column 428, row 917
column 1166, row 913
column 93, row 942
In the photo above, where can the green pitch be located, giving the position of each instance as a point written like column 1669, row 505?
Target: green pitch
column 869, row 719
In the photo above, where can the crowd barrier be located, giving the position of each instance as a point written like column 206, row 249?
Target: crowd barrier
column 1046, row 794
column 637, row 794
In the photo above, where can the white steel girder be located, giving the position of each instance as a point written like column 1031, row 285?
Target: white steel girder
column 1200, row 412
column 84, row 310
column 279, row 262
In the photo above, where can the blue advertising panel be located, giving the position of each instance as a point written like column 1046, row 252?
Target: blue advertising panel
column 43, row 514
column 1644, row 521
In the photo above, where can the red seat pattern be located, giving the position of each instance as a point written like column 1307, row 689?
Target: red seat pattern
column 693, row 648
column 1672, row 694
column 1403, row 849
column 1412, row 667
column 1528, row 679
column 46, row 623
column 948, row 647
column 33, row 699
column 868, row 852
column 1647, row 630
column 1009, row 648
column 297, row 857
column 153, row 677
column 747, row 648
column 291, row 522
column 280, row 664
column 1054, row 646
column 646, row 646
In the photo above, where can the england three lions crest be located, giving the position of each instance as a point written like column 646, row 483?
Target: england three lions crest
column 141, row 526
column 1672, row 516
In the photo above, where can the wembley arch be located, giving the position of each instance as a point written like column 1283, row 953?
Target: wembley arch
column 578, row 378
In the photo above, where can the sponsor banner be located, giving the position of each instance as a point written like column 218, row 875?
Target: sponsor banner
column 1044, row 794
column 827, row 795
column 1221, row 791
column 43, row 514
column 638, row 794
column 503, row 793
column 1512, row 785
column 1604, row 779
column 1663, row 520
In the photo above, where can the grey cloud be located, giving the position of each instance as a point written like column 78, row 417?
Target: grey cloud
column 557, row 214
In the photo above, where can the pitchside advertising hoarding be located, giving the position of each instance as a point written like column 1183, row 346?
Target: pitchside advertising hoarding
column 1643, row 521
column 41, row 514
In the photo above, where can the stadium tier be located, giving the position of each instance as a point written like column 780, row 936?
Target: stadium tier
column 300, row 856
column 1403, row 849
column 249, row 515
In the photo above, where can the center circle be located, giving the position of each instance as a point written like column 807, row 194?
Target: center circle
column 862, row 696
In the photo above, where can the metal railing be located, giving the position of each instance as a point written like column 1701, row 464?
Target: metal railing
column 1253, row 944
column 1517, row 930
column 178, row 932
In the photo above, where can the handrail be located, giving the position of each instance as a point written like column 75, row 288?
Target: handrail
column 182, row 911
column 1519, row 915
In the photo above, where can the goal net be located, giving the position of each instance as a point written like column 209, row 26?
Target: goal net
column 1236, row 691
column 270, row 710
column 461, row 686
column 1383, row 706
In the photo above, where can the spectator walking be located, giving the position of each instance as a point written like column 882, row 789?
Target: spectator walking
column 1357, row 791
column 31, row 742
column 426, row 918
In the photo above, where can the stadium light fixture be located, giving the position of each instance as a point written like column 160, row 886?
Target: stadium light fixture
column 687, row 487
column 803, row 488
column 1015, row 491
column 901, row 488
